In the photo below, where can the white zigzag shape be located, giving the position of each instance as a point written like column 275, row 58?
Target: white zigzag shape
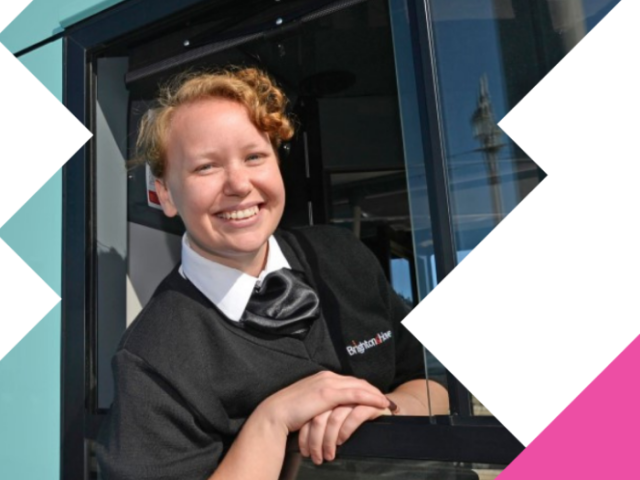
column 9, row 10
column 25, row 299
column 549, row 299
column 39, row 135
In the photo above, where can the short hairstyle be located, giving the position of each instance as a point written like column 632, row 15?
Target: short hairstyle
column 253, row 88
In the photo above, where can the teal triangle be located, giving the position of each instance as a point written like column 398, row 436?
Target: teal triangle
column 30, row 404
column 35, row 232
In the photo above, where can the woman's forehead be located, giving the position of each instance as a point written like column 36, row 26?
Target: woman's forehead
column 210, row 126
column 210, row 109
column 213, row 119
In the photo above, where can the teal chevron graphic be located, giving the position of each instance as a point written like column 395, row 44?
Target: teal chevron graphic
column 38, row 137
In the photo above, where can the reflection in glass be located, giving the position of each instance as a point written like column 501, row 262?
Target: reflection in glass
column 489, row 55
column 413, row 136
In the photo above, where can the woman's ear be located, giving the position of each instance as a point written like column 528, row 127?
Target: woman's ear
column 166, row 201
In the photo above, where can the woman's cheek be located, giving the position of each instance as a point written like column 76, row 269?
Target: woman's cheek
column 202, row 194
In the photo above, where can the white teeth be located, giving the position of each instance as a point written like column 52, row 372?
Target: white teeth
column 240, row 214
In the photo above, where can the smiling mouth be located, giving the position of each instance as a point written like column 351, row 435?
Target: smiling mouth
column 240, row 214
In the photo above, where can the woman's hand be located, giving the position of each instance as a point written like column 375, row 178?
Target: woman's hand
column 258, row 451
column 320, row 437
column 299, row 403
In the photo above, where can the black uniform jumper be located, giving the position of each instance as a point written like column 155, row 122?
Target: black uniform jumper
column 187, row 377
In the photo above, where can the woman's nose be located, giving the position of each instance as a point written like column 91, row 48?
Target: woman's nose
column 237, row 181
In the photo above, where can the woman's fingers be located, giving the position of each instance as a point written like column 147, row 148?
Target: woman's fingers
column 306, row 399
column 327, row 408
column 334, row 424
column 320, row 437
column 357, row 396
column 303, row 439
column 316, row 435
column 357, row 417
column 327, row 379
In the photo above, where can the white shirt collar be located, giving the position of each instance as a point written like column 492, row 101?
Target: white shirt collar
column 227, row 288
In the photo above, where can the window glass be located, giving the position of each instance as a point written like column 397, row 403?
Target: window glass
column 414, row 135
column 489, row 54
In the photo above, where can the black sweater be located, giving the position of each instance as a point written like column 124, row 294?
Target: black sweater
column 187, row 377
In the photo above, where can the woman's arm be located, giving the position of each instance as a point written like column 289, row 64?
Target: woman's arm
column 152, row 433
column 258, row 451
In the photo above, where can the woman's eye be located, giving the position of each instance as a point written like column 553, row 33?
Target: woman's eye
column 254, row 156
column 204, row 168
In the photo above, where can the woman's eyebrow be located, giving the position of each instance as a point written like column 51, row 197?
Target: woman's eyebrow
column 206, row 153
column 252, row 145
column 214, row 153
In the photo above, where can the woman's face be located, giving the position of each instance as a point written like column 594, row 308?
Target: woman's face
column 222, row 177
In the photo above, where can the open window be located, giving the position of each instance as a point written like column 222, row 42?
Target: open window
column 372, row 154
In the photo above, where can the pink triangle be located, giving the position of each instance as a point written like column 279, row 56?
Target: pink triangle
column 597, row 436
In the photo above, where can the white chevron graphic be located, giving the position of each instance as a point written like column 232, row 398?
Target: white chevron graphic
column 9, row 10
column 37, row 136
column 549, row 298
column 24, row 301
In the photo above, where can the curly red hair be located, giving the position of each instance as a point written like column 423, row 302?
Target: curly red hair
column 250, row 87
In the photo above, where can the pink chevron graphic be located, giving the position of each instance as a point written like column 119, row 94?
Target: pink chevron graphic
column 596, row 436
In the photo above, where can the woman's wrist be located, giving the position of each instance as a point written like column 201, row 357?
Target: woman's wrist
column 267, row 415
column 258, row 451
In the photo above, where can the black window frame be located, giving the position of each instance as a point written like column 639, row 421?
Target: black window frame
column 459, row 437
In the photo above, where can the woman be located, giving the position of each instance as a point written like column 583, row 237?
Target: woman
column 258, row 333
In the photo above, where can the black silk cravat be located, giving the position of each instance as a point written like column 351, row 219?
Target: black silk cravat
column 283, row 305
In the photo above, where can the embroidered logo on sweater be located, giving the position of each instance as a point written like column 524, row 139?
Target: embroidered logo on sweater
column 364, row 345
